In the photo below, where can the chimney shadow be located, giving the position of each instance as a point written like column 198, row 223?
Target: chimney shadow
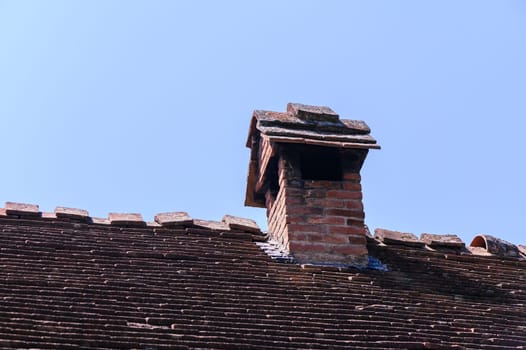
column 429, row 273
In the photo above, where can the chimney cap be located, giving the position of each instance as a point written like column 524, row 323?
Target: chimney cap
column 307, row 112
column 317, row 125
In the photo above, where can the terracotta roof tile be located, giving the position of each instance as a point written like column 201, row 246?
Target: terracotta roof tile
column 71, row 213
column 449, row 240
column 48, row 215
column 321, row 113
column 212, row 225
column 180, row 218
column 153, row 224
column 127, row 219
column 243, row 224
column 101, row 221
column 396, row 237
column 23, row 209
column 496, row 246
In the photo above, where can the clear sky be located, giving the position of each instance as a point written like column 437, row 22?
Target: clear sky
column 144, row 106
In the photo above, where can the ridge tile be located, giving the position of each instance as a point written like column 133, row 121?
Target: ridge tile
column 71, row 213
column 396, row 237
column 243, row 224
column 126, row 219
column 22, row 209
column 100, row 221
column 174, row 219
column 447, row 240
column 212, row 225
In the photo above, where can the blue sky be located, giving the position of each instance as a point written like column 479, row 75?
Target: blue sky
column 144, row 106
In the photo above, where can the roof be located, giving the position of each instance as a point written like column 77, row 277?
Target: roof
column 71, row 281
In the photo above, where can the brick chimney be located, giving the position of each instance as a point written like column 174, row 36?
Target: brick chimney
column 305, row 169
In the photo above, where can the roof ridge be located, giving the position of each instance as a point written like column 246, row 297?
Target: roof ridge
column 171, row 220
column 482, row 244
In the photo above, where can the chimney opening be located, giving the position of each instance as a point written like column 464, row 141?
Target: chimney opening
column 321, row 164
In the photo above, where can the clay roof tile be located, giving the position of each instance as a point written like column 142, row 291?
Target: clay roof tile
column 126, row 219
column 396, row 237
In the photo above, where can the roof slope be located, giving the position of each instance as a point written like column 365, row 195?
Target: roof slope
column 70, row 284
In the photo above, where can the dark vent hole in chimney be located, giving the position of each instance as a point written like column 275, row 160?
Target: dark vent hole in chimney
column 321, row 164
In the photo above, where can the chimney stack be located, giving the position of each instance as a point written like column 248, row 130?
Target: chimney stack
column 305, row 170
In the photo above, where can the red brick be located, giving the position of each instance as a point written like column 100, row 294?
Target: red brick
column 356, row 239
column 305, row 228
column 331, row 220
column 354, row 204
column 351, row 230
column 302, row 237
column 319, row 238
column 329, row 239
column 303, row 210
column 294, row 219
column 293, row 192
column 344, row 194
column 303, row 247
column 324, row 203
column 345, row 212
column 350, row 249
column 355, row 222
column 294, row 200
column 352, row 186
column 329, row 185
column 351, row 176
column 333, row 203
column 317, row 193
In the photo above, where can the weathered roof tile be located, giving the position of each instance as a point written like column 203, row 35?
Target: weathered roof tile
column 66, row 285
column 100, row 221
column 178, row 218
column 311, row 123
column 22, row 209
column 495, row 246
column 243, row 224
column 396, row 237
column 48, row 215
column 71, row 213
column 126, row 219
column 449, row 240
column 212, row 225
column 153, row 224
column 320, row 113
